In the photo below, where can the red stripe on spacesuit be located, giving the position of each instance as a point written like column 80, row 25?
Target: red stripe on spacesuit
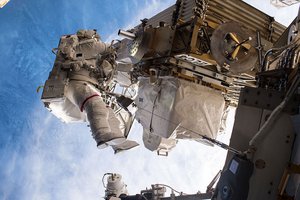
column 88, row 98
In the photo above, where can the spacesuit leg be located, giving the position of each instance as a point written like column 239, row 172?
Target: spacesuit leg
column 103, row 123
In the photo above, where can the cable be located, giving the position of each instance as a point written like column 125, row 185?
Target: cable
column 152, row 112
column 164, row 185
column 273, row 50
column 104, row 177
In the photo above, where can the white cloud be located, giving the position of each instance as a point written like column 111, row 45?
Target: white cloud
column 283, row 15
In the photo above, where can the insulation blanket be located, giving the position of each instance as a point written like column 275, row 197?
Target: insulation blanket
column 178, row 109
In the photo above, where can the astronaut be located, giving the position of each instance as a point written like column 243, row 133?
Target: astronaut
column 84, row 64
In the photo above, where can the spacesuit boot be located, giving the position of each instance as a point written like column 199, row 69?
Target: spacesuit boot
column 128, row 144
column 106, row 127
column 113, row 137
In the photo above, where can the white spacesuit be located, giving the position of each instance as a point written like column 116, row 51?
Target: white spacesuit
column 83, row 64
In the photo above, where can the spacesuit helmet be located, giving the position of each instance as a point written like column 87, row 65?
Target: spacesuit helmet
column 88, row 34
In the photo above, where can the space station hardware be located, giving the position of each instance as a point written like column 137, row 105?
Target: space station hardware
column 268, row 106
column 217, row 45
column 213, row 43
column 164, row 110
column 115, row 190
column 114, row 186
column 251, row 60
column 84, row 65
